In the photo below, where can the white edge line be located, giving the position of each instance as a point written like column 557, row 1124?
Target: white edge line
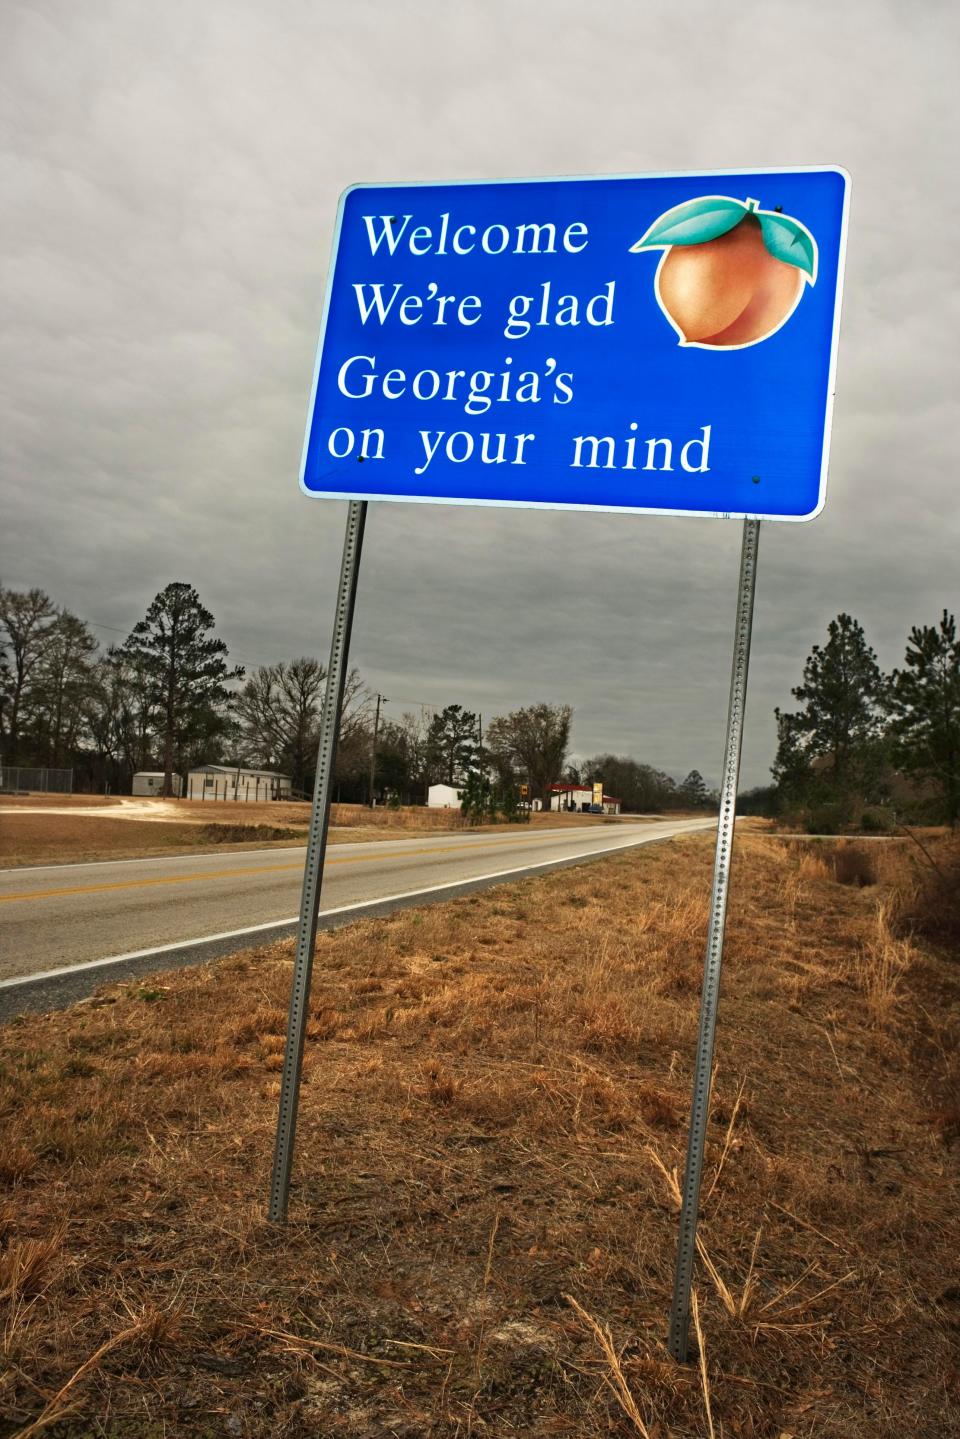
column 342, row 909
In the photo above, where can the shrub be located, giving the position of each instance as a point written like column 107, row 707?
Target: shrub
column 877, row 820
column 934, row 905
column 246, row 833
column 830, row 817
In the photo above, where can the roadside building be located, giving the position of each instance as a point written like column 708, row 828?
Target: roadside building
column 233, row 782
column 579, row 797
column 150, row 781
column 443, row 796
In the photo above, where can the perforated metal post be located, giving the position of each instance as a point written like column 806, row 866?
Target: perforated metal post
column 686, row 1254
column 313, row 870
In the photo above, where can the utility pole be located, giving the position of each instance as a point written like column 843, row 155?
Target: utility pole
column 381, row 700
column 480, row 745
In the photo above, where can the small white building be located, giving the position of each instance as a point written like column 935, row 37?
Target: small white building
column 443, row 796
column 579, row 797
column 150, row 781
column 233, row 782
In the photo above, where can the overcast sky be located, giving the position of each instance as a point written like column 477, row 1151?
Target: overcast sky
column 170, row 176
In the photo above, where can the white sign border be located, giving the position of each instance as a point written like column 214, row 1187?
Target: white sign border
column 559, row 505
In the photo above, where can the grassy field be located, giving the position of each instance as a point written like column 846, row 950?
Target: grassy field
column 484, row 1216
column 64, row 839
column 159, row 827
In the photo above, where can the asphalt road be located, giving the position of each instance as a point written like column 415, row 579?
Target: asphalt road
column 145, row 913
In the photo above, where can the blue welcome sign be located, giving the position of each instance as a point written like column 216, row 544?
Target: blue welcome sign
column 655, row 343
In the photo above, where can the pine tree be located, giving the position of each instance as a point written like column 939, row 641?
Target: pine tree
column 791, row 767
column 452, row 743
column 186, row 671
column 841, row 695
column 924, row 701
column 693, row 790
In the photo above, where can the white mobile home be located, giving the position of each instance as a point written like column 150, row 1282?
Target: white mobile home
column 233, row 782
column 147, row 782
column 443, row 796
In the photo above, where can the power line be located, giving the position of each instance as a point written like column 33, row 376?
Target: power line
column 424, row 704
column 116, row 630
column 255, row 664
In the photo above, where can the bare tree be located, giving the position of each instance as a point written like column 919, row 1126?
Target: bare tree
column 535, row 741
column 61, row 685
column 279, row 714
column 27, row 618
column 278, row 709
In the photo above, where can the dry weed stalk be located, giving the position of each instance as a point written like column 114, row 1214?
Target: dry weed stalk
column 881, row 965
column 789, row 891
column 726, row 1298
column 728, row 1139
column 702, row 1356
column 300, row 1341
column 813, row 867
column 802, row 1304
column 736, row 1308
column 673, row 1188
column 24, row 1263
column 747, row 1293
column 59, row 1407
column 615, row 1380
column 669, row 1176
column 492, row 1240
column 784, row 1320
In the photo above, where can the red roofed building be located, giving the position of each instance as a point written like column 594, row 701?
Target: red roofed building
column 580, row 797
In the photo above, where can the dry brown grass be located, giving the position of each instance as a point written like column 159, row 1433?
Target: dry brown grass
column 493, row 1119
column 63, row 839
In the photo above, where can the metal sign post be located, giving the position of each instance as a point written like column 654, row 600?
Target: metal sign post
column 313, row 870
column 710, row 996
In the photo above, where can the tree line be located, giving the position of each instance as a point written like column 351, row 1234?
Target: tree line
column 167, row 699
column 868, row 748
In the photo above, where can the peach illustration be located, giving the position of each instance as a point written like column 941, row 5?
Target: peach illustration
column 731, row 274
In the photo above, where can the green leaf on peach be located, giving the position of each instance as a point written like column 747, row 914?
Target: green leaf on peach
column 692, row 223
column 789, row 241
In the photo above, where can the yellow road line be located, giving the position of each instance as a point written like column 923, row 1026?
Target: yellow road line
column 260, row 869
column 142, row 883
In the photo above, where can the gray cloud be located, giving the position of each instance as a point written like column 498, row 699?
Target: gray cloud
column 170, row 177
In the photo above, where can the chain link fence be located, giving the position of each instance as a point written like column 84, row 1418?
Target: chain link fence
column 23, row 779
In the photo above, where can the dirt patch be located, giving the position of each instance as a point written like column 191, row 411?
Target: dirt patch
column 484, row 1217
column 57, row 801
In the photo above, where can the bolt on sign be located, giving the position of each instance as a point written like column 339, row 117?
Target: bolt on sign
column 658, row 344
column 598, row 793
